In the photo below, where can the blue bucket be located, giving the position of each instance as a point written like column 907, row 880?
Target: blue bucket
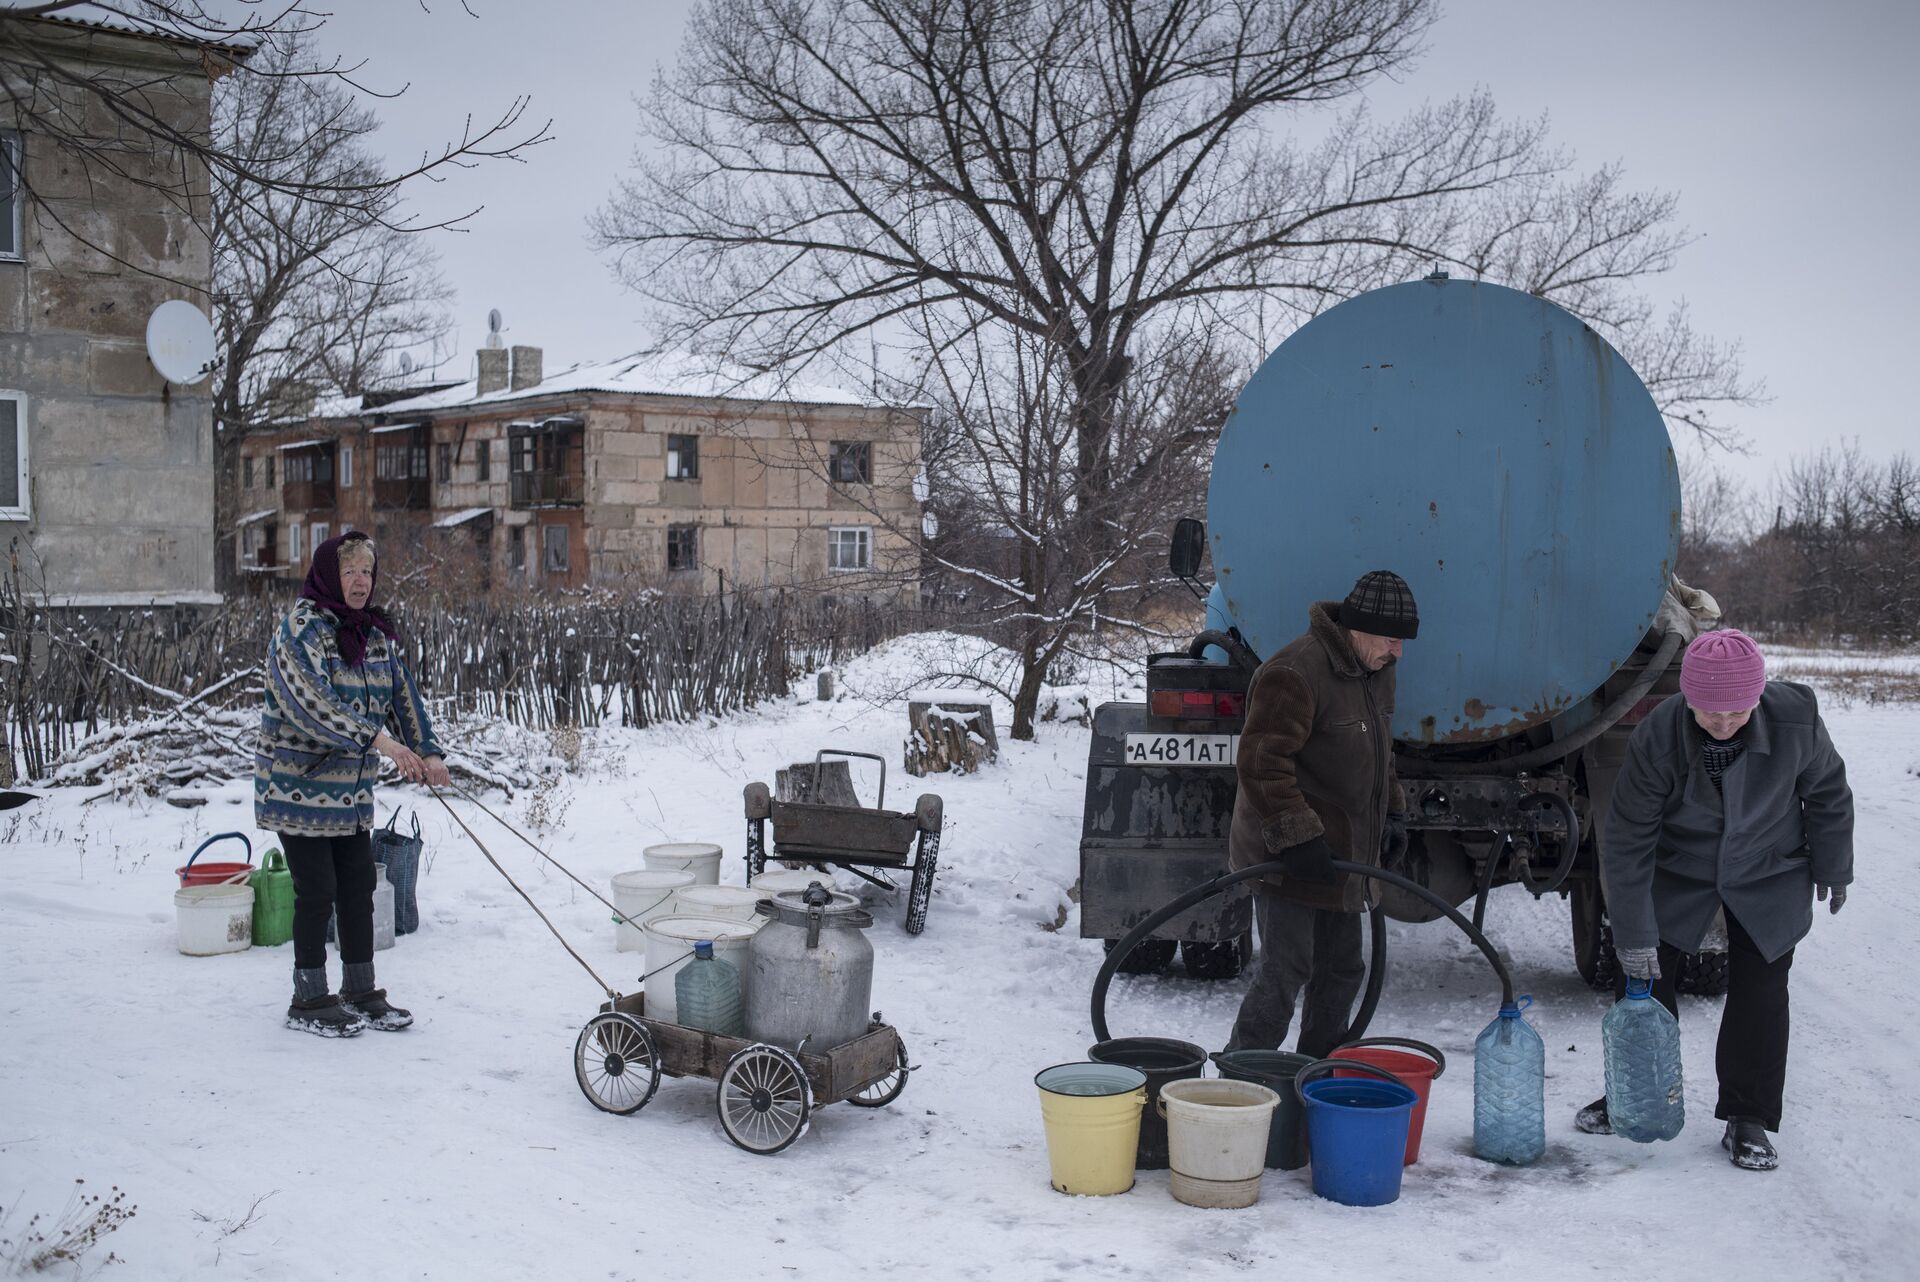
column 1356, row 1131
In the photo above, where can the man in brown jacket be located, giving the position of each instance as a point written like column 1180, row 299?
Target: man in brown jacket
column 1316, row 785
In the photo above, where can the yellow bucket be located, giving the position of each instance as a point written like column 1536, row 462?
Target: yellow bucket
column 1092, row 1114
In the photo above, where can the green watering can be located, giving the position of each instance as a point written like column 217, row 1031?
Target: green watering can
column 272, row 886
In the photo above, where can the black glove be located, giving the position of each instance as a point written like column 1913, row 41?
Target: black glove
column 1311, row 860
column 1393, row 842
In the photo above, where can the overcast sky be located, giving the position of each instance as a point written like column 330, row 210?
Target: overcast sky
column 1788, row 129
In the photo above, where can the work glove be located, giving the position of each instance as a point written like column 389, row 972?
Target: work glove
column 1311, row 860
column 1393, row 842
column 1839, row 893
column 1640, row 963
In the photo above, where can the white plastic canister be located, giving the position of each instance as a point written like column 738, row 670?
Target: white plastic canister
column 641, row 896
column 735, row 902
column 670, row 942
column 701, row 858
column 213, row 919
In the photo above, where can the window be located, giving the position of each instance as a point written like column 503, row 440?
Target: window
column 346, row 467
column 517, row 546
column 683, row 547
column 683, row 458
column 246, row 473
column 269, row 471
column 850, row 547
column 443, row 461
column 9, row 195
column 14, row 490
column 850, row 463
column 320, row 533
column 483, row 460
column 293, row 543
column 556, row 558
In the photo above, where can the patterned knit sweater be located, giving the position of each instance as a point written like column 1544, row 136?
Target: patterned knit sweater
column 314, row 767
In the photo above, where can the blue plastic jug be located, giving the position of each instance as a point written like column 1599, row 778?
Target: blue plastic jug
column 1641, row 1038
column 1510, row 1089
column 706, row 994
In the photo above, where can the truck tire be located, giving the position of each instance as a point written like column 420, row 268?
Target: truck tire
column 1216, row 960
column 1152, row 957
column 1703, row 974
column 1592, row 936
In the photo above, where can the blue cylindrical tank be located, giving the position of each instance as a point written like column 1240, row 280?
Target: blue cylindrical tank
column 1487, row 446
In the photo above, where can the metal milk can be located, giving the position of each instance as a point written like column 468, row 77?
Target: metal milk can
column 810, row 971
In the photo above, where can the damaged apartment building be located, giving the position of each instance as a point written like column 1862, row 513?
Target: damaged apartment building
column 649, row 471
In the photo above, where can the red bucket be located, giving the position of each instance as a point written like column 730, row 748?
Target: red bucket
column 211, row 874
column 1418, row 1071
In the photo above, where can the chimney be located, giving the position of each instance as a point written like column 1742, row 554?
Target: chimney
column 526, row 367
column 493, row 369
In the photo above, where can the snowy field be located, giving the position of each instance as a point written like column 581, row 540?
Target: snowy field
column 462, row 1149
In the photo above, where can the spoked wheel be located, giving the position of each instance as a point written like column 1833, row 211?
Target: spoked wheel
column 764, row 1099
column 616, row 1063
column 887, row 1089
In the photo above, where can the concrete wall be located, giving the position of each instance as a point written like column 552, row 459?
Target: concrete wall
column 121, row 464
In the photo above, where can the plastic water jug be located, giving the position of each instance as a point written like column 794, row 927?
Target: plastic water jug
column 1510, row 1089
column 272, row 900
column 382, row 909
column 1645, row 1101
column 706, row 993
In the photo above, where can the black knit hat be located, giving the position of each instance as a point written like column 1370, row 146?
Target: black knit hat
column 1381, row 603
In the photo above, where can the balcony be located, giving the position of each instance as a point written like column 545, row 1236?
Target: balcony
column 409, row 492
column 548, row 489
column 307, row 496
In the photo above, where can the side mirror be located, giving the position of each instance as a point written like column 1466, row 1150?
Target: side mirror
column 1189, row 547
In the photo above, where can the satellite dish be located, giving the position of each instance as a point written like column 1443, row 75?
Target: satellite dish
column 493, row 328
column 406, row 364
column 930, row 525
column 180, row 341
column 920, row 486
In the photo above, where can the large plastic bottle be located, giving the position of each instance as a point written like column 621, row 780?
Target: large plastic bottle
column 706, row 994
column 1510, row 1089
column 382, row 909
column 1645, row 1099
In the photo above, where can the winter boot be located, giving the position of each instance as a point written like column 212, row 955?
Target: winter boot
column 325, row 1017
column 1593, row 1119
column 377, row 1011
column 1746, row 1139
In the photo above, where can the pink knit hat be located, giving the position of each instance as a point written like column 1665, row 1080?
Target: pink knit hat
column 1723, row 672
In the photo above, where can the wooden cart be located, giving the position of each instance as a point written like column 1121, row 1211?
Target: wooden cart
column 766, row 1093
column 845, row 834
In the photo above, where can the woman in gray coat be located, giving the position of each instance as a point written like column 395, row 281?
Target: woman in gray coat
column 1732, row 799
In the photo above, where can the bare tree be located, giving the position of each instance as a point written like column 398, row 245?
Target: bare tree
column 119, row 126
column 1060, row 184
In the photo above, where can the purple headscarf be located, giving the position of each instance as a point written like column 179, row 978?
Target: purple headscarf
column 323, row 588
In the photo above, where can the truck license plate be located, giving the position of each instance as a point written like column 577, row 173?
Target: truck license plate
column 1182, row 749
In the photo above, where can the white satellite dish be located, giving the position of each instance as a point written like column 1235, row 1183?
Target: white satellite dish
column 921, row 488
column 493, row 328
column 406, row 364
column 930, row 525
column 180, row 341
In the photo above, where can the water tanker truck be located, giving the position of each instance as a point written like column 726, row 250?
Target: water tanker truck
column 1502, row 457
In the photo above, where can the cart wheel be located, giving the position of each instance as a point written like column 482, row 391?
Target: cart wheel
column 764, row 1099
column 616, row 1063
column 920, row 893
column 887, row 1089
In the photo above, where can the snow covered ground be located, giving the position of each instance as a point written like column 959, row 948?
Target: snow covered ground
column 462, row 1148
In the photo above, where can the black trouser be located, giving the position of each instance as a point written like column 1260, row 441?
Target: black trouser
column 1300, row 946
column 1751, row 1057
column 331, row 874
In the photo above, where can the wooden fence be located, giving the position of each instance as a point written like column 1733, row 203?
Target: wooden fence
column 590, row 661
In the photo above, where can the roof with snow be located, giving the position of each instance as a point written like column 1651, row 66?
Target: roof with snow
column 650, row 374
column 461, row 517
column 160, row 26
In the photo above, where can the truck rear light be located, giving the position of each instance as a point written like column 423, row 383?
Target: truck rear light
column 1229, row 705
column 1195, row 703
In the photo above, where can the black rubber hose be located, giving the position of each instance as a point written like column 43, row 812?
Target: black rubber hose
column 1560, row 749
column 1487, row 871
column 1572, row 850
column 1226, row 881
column 1237, row 650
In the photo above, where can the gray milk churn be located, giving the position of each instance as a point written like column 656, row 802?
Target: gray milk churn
column 810, row 970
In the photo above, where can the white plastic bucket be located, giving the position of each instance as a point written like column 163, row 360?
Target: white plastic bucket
column 670, row 942
column 641, row 896
column 733, row 902
column 701, row 858
column 213, row 919
column 1217, row 1139
column 775, row 880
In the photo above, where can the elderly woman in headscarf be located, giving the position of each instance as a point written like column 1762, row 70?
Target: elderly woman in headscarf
column 338, row 697
column 1732, row 801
